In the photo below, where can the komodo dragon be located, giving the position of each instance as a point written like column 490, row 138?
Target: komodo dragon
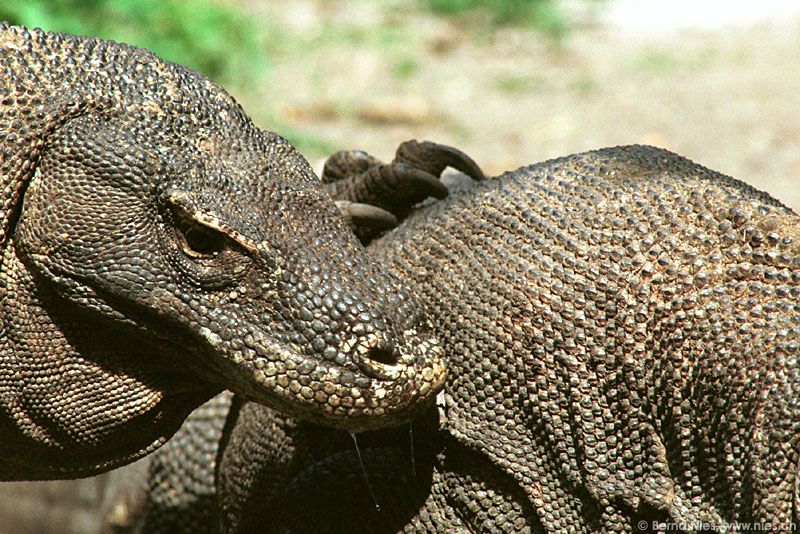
column 158, row 248
column 621, row 328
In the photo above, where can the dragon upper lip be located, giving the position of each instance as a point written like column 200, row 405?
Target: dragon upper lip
column 376, row 366
column 379, row 362
column 367, row 395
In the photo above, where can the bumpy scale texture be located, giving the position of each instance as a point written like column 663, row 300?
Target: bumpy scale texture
column 622, row 331
column 168, row 249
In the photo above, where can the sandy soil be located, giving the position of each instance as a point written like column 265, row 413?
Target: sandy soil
column 728, row 98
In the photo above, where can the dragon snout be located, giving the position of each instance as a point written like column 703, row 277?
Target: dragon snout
column 397, row 340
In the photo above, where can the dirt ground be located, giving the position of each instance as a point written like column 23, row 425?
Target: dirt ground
column 728, row 98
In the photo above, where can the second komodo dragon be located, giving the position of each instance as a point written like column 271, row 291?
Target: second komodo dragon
column 622, row 331
column 158, row 248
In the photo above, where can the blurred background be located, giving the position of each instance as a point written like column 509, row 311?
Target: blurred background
column 511, row 82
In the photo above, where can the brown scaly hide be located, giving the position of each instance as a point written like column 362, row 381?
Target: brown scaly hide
column 158, row 248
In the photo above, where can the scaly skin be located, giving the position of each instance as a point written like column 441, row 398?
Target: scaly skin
column 623, row 330
column 168, row 249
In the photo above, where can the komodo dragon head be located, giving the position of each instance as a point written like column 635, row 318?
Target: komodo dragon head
column 158, row 248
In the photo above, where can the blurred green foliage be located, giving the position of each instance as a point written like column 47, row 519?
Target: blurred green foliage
column 215, row 40
column 220, row 39
column 518, row 84
column 656, row 60
column 405, row 67
column 545, row 15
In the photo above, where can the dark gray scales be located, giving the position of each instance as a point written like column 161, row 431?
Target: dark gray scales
column 621, row 329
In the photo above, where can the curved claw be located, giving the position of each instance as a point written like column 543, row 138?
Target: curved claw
column 455, row 158
column 424, row 183
column 360, row 215
column 434, row 157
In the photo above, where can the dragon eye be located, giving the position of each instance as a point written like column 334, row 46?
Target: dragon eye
column 199, row 242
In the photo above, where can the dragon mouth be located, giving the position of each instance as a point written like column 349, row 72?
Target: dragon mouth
column 382, row 391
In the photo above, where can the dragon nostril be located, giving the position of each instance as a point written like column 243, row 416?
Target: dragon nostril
column 380, row 363
column 382, row 355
